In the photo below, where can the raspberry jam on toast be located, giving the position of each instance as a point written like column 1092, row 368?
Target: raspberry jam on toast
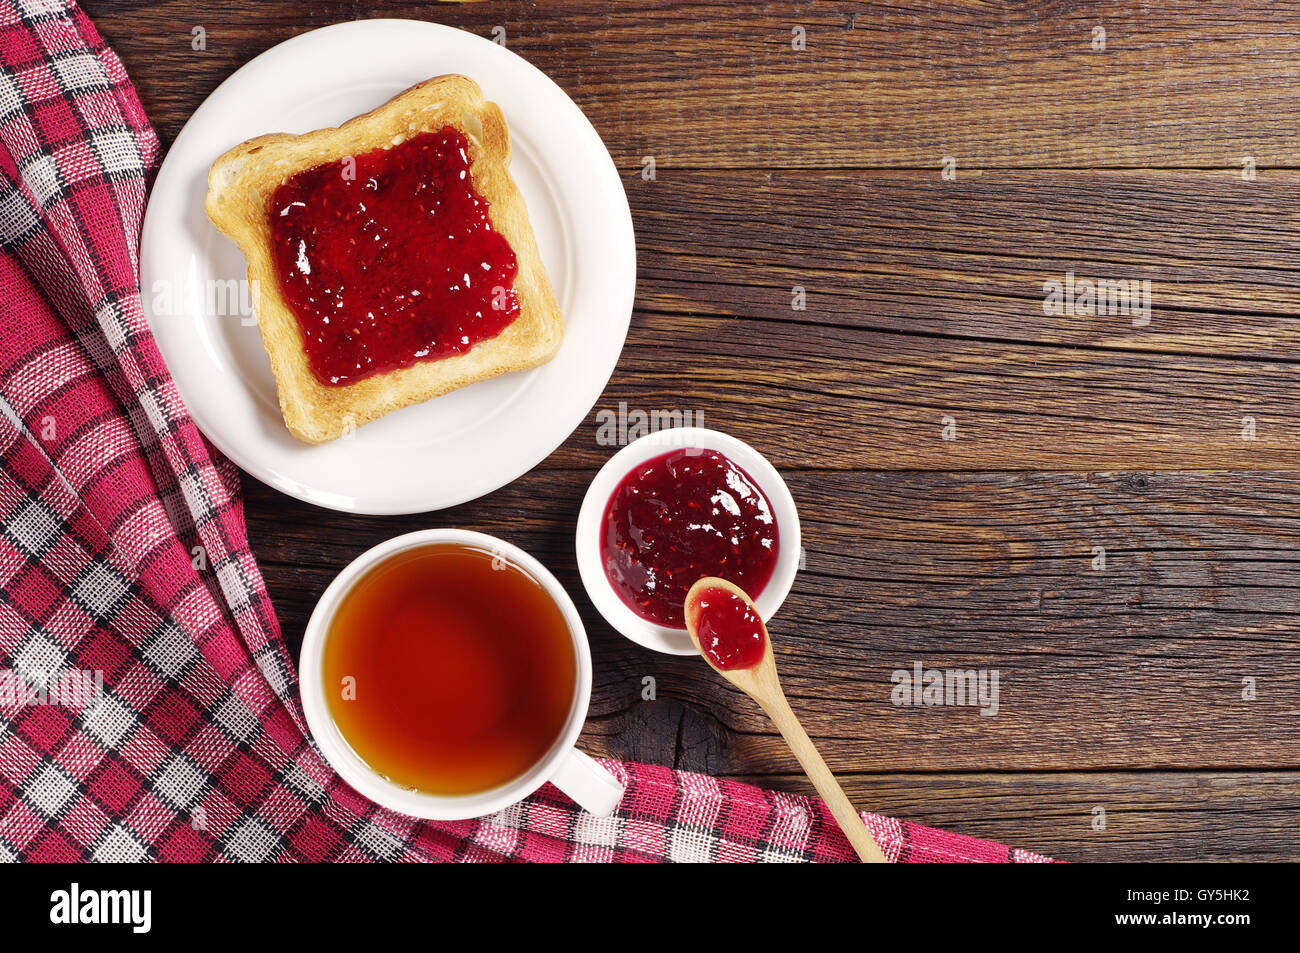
column 389, row 258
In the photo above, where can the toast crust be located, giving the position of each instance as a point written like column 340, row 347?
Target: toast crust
column 241, row 184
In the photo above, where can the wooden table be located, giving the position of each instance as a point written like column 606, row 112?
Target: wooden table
column 922, row 171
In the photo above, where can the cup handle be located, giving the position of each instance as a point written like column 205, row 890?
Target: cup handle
column 594, row 789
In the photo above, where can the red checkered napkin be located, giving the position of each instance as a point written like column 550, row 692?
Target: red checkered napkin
column 123, row 554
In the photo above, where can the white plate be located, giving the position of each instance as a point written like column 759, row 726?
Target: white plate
column 450, row 449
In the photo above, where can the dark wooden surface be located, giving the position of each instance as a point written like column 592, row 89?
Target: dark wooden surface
column 1121, row 689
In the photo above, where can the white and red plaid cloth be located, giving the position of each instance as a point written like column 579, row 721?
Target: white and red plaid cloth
column 123, row 552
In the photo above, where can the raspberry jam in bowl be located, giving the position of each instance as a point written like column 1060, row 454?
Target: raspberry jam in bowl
column 676, row 506
column 681, row 516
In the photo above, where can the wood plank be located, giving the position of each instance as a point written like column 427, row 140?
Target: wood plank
column 816, row 396
column 1197, row 83
column 1139, row 665
column 1149, row 816
column 925, row 300
column 908, row 252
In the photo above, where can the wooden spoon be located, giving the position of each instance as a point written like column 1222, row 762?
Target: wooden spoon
column 755, row 675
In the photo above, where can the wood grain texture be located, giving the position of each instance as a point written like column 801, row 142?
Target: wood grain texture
column 1148, row 816
column 774, row 168
column 924, row 300
column 1190, row 83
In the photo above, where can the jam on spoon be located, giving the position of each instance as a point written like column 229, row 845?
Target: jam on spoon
column 729, row 629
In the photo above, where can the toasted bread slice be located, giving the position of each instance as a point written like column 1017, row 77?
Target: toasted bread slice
column 241, row 184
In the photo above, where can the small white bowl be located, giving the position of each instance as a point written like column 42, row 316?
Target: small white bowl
column 591, row 525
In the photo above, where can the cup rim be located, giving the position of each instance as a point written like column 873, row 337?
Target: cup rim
column 616, row 612
column 360, row 776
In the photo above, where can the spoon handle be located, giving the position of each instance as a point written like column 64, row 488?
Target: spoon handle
column 846, row 815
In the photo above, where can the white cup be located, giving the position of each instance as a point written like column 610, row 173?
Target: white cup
column 574, row 773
